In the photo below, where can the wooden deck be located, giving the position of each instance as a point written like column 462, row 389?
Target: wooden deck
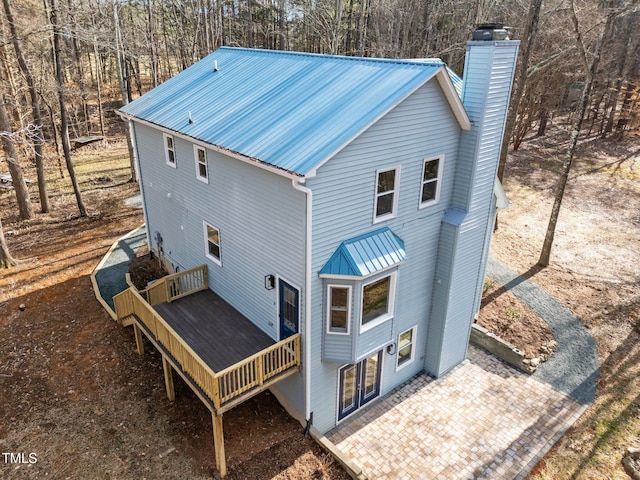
column 221, row 355
column 216, row 331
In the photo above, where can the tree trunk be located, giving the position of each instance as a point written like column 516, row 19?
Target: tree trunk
column 19, row 184
column 590, row 71
column 6, row 260
column 249, row 25
column 123, row 90
column 35, row 111
column 521, row 81
column 64, row 128
column 98, row 85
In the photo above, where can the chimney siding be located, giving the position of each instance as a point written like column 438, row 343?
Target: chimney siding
column 467, row 227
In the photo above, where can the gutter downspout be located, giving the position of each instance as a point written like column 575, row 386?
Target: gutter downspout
column 136, row 164
column 308, row 415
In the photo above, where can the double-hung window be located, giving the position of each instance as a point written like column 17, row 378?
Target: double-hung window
column 200, row 154
column 169, row 150
column 377, row 301
column 338, row 308
column 406, row 347
column 431, row 180
column 212, row 243
column 386, row 201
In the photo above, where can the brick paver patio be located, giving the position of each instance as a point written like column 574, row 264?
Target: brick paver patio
column 483, row 420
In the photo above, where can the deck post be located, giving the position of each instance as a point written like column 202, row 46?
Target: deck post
column 218, row 443
column 168, row 379
column 138, row 334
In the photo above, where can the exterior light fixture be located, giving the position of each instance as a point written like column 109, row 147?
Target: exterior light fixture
column 269, row 282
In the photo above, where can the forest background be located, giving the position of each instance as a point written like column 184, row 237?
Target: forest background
column 66, row 66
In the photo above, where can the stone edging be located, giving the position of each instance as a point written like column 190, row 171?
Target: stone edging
column 486, row 340
column 350, row 467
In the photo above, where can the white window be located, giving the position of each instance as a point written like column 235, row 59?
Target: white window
column 202, row 173
column 338, row 309
column 431, row 180
column 386, row 202
column 406, row 347
column 169, row 150
column 377, row 302
column 212, row 243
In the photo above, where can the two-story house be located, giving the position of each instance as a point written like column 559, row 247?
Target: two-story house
column 348, row 200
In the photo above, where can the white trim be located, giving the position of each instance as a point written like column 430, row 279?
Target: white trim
column 306, row 364
column 218, row 261
column 453, row 99
column 293, row 285
column 196, row 150
column 396, row 193
column 328, row 308
column 390, row 304
column 165, row 137
column 414, row 333
column 438, row 181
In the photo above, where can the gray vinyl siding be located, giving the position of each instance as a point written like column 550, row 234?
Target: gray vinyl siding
column 488, row 73
column 343, row 200
column 260, row 216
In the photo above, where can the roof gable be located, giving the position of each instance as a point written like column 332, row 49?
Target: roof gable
column 367, row 254
column 290, row 110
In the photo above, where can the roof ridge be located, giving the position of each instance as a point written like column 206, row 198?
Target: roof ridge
column 409, row 61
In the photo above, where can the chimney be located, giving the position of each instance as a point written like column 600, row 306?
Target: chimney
column 489, row 67
column 467, row 226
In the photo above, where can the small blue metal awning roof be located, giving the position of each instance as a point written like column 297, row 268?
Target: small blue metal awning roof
column 289, row 110
column 364, row 255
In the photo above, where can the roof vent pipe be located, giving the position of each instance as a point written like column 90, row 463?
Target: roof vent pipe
column 215, row 65
column 486, row 32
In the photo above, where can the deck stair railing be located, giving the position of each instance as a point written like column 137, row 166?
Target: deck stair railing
column 178, row 285
column 221, row 387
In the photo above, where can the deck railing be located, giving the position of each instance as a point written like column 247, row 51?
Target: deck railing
column 259, row 368
column 221, row 387
column 178, row 285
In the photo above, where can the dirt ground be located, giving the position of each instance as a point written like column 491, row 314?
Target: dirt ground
column 74, row 393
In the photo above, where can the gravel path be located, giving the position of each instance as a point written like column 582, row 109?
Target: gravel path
column 110, row 273
column 573, row 369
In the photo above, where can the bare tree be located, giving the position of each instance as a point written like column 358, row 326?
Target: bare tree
column 6, row 260
column 19, row 184
column 64, row 127
column 590, row 70
column 123, row 89
column 531, row 30
column 35, row 109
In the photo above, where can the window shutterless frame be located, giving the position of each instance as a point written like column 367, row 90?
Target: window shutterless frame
column 338, row 309
column 430, row 181
column 169, row 150
column 385, row 205
column 212, row 243
column 406, row 347
column 202, row 169
column 378, row 301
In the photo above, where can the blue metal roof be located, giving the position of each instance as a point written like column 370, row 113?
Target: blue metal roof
column 286, row 109
column 366, row 254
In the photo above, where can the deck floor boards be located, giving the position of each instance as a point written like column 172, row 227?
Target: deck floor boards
column 216, row 331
